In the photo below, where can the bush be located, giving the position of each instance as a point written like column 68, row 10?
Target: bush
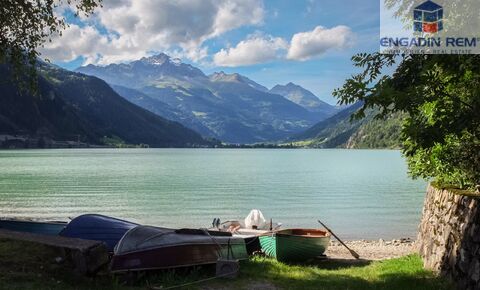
column 440, row 95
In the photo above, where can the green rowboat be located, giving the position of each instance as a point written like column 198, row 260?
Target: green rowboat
column 295, row 245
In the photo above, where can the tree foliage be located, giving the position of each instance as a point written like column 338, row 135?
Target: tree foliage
column 441, row 96
column 25, row 25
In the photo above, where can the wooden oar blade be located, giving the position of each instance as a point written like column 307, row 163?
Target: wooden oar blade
column 352, row 252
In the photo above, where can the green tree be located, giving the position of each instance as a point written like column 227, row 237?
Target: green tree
column 440, row 95
column 25, row 25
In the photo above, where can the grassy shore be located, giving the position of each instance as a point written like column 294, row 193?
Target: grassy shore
column 27, row 266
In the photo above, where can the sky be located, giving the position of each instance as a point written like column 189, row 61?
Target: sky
column 307, row 42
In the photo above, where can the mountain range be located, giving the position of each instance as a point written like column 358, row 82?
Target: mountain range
column 74, row 106
column 161, row 102
column 229, row 107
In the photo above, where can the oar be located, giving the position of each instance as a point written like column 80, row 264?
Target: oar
column 354, row 254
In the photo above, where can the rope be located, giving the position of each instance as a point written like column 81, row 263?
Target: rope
column 209, row 278
column 189, row 283
column 219, row 247
column 219, row 251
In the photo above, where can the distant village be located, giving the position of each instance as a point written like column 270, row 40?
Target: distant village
column 29, row 142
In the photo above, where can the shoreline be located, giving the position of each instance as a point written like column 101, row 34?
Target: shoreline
column 372, row 249
column 206, row 148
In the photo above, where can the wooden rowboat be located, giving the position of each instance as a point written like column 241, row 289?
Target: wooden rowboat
column 150, row 248
column 295, row 245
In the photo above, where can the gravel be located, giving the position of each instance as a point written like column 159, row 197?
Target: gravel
column 372, row 250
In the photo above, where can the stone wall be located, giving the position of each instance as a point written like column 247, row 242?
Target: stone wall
column 449, row 236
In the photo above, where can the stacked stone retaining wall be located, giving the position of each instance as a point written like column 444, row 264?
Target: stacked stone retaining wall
column 449, row 236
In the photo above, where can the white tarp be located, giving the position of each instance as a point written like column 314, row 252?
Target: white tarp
column 255, row 218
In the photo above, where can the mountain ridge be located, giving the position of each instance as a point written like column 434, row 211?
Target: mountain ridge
column 339, row 131
column 232, row 107
column 302, row 97
column 236, row 77
column 70, row 103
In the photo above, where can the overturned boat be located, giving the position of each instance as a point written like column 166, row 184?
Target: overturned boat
column 151, row 248
column 51, row 228
column 98, row 228
column 295, row 245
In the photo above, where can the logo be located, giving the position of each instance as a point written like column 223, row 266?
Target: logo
column 429, row 35
column 428, row 17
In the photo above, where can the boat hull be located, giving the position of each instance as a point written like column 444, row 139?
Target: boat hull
column 293, row 248
column 250, row 236
column 151, row 248
column 253, row 245
column 175, row 257
column 98, row 228
column 35, row 227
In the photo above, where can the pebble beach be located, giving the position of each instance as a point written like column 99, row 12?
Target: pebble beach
column 372, row 249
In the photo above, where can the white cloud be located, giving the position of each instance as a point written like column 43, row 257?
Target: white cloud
column 135, row 28
column 126, row 30
column 253, row 50
column 303, row 46
column 310, row 44
column 76, row 41
column 236, row 13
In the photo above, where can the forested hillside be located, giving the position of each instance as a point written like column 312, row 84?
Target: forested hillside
column 339, row 131
column 74, row 107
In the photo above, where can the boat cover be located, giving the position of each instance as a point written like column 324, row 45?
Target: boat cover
column 99, row 228
column 255, row 218
column 147, row 237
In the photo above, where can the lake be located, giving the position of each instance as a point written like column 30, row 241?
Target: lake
column 360, row 194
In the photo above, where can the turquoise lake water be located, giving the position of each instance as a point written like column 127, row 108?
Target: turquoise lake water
column 358, row 193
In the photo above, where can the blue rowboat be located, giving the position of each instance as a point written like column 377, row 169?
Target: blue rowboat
column 52, row 228
column 99, row 228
